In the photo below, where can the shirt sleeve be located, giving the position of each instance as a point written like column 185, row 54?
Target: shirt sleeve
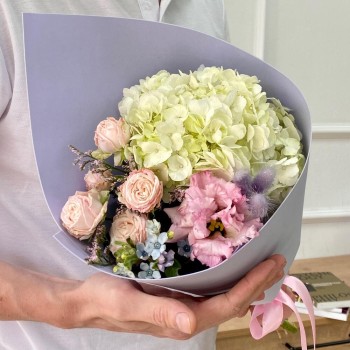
column 5, row 86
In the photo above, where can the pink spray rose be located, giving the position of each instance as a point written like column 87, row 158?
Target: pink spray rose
column 112, row 135
column 127, row 225
column 83, row 212
column 142, row 191
column 98, row 181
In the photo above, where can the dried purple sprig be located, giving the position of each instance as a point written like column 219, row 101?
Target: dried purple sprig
column 259, row 205
column 131, row 164
column 85, row 159
column 255, row 190
column 98, row 251
column 263, row 180
column 243, row 180
column 178, row 194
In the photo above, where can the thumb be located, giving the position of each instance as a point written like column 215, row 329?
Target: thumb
column 165, row 312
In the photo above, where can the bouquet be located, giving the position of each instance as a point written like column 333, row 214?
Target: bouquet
column 188, row 173
column 199, row 177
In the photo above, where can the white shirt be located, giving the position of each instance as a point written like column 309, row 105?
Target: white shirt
column 26, row 226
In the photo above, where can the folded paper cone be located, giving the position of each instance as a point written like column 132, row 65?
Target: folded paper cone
column 77, row 67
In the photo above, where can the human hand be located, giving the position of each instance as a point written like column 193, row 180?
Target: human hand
column 237, row 301
column 120, row 305
column 286, row 312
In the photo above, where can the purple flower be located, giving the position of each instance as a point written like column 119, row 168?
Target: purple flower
column 166, row 259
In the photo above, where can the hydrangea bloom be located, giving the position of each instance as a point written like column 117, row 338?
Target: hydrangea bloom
column 210, row 119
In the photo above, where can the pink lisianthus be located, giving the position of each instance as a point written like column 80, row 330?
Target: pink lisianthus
column 181, row 223
column 211, row 251
column 210, row 198
column 246, row 232
column 142, row 191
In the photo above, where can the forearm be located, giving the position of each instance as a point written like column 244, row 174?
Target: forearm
column 30, row 296
column 119, row 305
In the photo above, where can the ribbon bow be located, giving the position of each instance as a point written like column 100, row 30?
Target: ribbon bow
column 272, row 313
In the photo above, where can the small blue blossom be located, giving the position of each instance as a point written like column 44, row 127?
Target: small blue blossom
column 184, row 248
column 166, row 259
column 156, row 243
column 148, row 272
column 143, row 251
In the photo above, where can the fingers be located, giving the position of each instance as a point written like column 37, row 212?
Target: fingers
column 139, row 328
column 251, row 287
column 164, row 312
column 236, row 302
column 132, row 310
column 287, row 312
column 121, row 305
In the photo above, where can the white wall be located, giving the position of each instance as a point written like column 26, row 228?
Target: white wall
column 309, row 41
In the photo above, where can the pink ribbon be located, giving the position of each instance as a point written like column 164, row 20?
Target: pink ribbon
column 272, row 313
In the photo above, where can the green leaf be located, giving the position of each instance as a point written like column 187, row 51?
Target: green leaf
column 104, row 196
column 122, row 243
column 130, row 262
column 173, row 271
column 289, row 327
column 100, row 155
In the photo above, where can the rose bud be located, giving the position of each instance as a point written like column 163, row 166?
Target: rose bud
column 127, row 225
column 112, row 135
column 83, row 212
column 98, row 181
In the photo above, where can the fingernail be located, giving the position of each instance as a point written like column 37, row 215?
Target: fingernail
column 183, row 323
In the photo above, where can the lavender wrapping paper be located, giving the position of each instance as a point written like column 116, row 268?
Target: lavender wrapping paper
column 77, row 67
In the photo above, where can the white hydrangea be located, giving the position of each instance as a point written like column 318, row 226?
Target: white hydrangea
column 212, row 118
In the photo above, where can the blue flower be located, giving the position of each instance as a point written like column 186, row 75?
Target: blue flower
column 184, row 248
column 148, row 272
column 166, row 259
column 143, row 252
column 156, row 244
